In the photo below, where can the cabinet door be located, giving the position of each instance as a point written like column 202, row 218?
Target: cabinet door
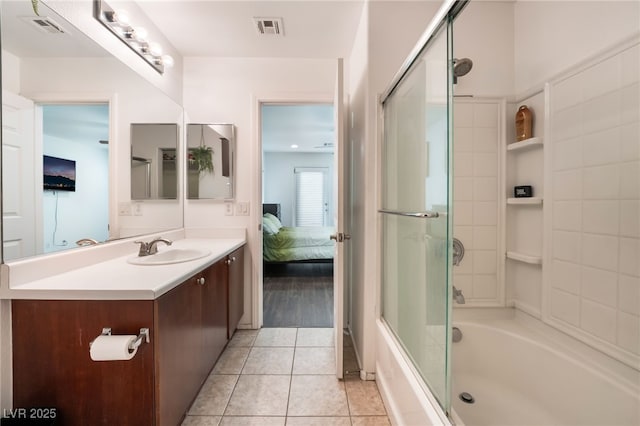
column 179, row 351
column 214, row 314
column 236, row 289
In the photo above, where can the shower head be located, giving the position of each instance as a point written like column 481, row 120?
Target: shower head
column 461, row 67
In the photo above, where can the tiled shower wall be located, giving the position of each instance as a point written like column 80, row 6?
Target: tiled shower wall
column 593, row 288
column 476, row 142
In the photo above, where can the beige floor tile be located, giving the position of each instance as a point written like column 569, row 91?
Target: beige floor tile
column 231, row 361
column 259, row 396
column 370, row 421
column 276, row 337
column 214, row 395
column 364, row 398
column 315, row 337
column 201, row 421
column 265, row 360
column 314, row 361
column 317, row 396
column 243, row 338
column 318, row 421
column 252, row 421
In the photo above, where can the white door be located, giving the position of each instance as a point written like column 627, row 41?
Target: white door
column 341, row 236
column 20, row 174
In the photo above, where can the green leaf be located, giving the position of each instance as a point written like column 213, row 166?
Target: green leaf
column 34, row 4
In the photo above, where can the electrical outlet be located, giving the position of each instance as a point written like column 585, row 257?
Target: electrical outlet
column 137, row 209
column 242, row 208
column 228, row 209
column 124, row 209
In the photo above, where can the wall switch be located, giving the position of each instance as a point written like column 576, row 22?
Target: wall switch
column 137, row 209
column 228, row 209
column 124, row 209
column 242, row 208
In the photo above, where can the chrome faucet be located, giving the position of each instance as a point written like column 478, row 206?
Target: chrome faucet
column 150, row 248
column 458, row 296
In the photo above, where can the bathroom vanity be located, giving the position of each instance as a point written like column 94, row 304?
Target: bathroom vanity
column 191, row 310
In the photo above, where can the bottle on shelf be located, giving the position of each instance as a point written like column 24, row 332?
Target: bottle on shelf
column 524, row 123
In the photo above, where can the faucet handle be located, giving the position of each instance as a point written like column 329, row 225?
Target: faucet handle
column 144, row 248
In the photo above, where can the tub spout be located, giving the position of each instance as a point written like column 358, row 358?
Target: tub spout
column 458, row 296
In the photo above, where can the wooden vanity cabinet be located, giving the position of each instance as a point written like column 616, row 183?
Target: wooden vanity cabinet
column 189, row 328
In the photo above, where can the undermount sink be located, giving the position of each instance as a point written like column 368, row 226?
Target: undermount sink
column 166, row 257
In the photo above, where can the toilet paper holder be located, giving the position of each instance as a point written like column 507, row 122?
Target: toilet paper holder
column 144, row 335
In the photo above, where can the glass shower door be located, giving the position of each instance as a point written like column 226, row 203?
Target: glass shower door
column 415, row 215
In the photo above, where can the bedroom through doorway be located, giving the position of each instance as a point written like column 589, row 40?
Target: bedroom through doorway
column 298, row 183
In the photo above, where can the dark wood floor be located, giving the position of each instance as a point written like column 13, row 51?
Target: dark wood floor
column 298, row 295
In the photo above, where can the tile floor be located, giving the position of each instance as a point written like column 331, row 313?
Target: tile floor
column 278, row 376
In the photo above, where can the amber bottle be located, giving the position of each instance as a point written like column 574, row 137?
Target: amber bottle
column 524, row 123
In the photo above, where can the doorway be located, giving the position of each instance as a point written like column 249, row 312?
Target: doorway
column 298, row 184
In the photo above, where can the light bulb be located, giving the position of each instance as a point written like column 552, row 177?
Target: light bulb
column 294, row 146
column 155, row 49
column 140, row 33
column 167, row 60
column 122, row 17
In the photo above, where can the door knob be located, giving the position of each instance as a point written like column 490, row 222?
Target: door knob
column 333, row 237
column 200, row 281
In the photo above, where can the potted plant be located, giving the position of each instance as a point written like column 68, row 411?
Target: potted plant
column 202, row 156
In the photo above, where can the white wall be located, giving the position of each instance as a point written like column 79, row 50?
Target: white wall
column 227, row 90
column 279, row 180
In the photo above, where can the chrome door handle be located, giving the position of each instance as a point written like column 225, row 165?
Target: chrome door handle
column 425, row 214
column 333, row 237
column 339, row 237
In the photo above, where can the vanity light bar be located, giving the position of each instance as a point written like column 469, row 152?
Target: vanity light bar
column 135, row 38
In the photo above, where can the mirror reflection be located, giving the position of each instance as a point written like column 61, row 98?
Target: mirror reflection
column 66, row 166
column 210, row 154
column 154, row 149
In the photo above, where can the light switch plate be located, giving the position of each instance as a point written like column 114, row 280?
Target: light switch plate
column 124, row 209
column 242, row 208
column 137, row 209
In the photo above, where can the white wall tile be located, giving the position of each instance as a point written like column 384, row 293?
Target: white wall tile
column 464, row 283
column 630, row 256
column 630, row 180
column 466, row 265
column 463, row 189
column 630, row 142
column 567, row 93
column 462, row 114
column 567, row 185
column 630, row 104
column 485, row 237
column 601, row 183
column 484, row 262
column 601, row 217
column 629, row 294
column 629, row 332
column 485, row 139
column 565, row 307
column 567, row 246
column 601, row 147
column 601, row 113
column 567, row 124
column 630, row 218
column 485, row 115
column 600, row 286
column 465, row 235
column 567, row 215
column 485, row 189
column 601, row 78
column 462, row 164
column 598, row 320
column 462, row 213
column 463, row 139
column 630, row 61
column 566, row 276
column 485, row 165
column 567, row 154
column 485, row 287
column 600, row 251
column 485, row 213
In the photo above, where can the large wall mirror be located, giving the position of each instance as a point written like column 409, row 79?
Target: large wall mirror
column 210, row 161
column 67, row 114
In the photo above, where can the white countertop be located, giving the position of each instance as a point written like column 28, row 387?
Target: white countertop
column 116, row 279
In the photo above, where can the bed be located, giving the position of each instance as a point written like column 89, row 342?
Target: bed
column 284, row 244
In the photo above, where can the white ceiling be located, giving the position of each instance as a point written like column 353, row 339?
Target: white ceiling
column 310, row 127
column 312, row 29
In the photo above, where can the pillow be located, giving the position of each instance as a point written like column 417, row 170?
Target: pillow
column 276, row 222
column 268, row 226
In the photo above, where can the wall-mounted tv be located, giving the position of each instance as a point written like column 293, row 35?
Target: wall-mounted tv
column 59, row 174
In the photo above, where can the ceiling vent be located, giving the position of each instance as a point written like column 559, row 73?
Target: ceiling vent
column 269, row 26
column 44, row 24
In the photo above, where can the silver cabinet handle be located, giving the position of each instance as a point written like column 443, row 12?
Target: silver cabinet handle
column 200, row 281
column 233, row 258
column 425, row 214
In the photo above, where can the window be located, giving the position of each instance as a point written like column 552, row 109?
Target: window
column 310, row 196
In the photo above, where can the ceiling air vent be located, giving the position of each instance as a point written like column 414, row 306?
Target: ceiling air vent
column 44, row 24
column 269, row 26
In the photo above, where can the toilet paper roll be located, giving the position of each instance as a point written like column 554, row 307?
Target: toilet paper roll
column 112, row 348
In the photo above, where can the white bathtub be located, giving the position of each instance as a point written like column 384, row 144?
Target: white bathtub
column 522, row 372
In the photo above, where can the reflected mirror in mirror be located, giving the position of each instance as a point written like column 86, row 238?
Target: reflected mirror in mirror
column 210, row 154
column 154, row 150
column 62, row 95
